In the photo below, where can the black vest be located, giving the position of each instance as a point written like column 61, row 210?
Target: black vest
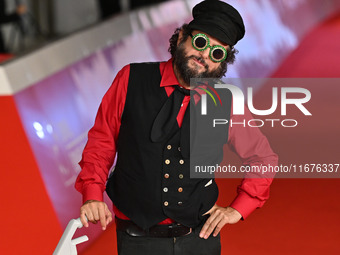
column 151, row 181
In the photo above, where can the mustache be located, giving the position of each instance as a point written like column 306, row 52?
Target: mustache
column 200, row 60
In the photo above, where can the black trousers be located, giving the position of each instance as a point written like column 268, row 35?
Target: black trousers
column 190, row 244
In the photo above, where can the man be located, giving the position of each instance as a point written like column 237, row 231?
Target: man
column 159, row 209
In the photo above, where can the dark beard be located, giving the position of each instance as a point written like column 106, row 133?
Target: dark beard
column 182, row 64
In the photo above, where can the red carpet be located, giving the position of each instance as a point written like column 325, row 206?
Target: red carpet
column 302, row 215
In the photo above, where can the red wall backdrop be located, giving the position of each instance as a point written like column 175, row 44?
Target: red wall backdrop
column 29, row 224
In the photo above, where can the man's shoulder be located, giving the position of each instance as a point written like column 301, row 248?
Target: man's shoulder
column 138, row 65
column 144, row 68
column 147, row 64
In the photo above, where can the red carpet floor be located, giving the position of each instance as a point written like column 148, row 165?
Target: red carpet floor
column 302, row 215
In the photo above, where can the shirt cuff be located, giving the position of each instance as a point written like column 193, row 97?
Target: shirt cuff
column 92, row 192
column 245, row 204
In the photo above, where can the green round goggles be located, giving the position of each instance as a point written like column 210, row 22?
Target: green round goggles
column 201, row 42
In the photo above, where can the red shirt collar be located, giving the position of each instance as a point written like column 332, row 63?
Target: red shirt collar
column 168, row 75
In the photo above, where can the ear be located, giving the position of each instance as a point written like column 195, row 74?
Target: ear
column 180, row 36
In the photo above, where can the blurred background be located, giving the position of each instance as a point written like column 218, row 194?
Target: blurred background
column 28, row 24
column 57, row 59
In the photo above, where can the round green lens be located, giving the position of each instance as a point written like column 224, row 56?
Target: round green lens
column 200, row 42
column 218, row 53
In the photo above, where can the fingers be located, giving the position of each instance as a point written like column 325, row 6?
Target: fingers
column 83, row 219
column 219, row 227
column 209, row 226
column 108, row 215
column 95, row 211
column 89, row 208
column 214, row 223
column 102, row 218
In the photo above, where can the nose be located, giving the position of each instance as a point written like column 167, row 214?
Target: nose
column 205, row 53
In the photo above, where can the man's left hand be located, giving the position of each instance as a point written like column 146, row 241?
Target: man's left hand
column 219, row 216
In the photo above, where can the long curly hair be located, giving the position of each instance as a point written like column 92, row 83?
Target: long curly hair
column 231, row 51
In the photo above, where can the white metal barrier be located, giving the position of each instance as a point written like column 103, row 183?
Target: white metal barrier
column 66, row 245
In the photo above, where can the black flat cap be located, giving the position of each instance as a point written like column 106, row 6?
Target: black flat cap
column 219, row 20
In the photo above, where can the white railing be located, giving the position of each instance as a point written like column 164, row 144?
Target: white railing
column 67, row 245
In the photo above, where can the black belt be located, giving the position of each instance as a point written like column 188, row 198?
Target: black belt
column 171, row 230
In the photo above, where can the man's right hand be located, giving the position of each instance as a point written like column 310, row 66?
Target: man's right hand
column 95, row 211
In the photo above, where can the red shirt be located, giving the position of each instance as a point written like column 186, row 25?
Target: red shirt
column 100, row 151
